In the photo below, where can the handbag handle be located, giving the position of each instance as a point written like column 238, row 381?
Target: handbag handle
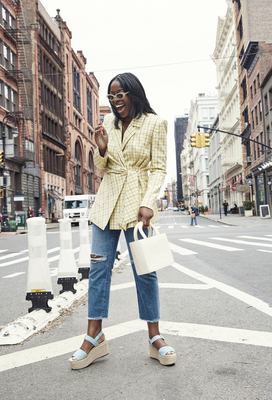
column 139, row 227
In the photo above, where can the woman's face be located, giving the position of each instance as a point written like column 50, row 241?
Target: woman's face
column 123, row 107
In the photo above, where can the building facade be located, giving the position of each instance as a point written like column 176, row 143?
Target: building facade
column 225, row 152
column 253, row 40
column 180, row 126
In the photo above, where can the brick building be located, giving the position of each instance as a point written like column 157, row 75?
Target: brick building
column 254, row 45
column 82, row 115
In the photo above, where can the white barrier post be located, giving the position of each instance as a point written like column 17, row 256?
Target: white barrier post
column 39, row 286
column 84, row 249
column 67, row 269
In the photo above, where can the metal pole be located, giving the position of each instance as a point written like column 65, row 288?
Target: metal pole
column 5, row 225
column 219, row 200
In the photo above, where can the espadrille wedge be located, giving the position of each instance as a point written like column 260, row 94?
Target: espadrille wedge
column 82, row 359
column 161, row 354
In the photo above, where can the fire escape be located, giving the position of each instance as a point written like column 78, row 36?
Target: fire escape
column 25, row 151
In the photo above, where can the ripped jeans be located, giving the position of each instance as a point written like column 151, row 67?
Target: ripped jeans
column 104, row 245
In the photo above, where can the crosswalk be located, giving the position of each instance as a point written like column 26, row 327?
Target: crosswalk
column 186, row 247
column 188, row 226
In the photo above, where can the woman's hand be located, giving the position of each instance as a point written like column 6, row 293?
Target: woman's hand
column 101, row 138
column 145, row 214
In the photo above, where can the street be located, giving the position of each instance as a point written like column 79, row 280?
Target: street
column 216, row 311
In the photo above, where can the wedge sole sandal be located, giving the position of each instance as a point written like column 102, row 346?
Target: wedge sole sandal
column 96, row 352
column 168, row 359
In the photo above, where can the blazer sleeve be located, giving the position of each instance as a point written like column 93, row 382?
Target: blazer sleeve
column 158, row 164
column 100, row 162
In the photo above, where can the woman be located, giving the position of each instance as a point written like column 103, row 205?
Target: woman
column 131, row 143
column 193, row 215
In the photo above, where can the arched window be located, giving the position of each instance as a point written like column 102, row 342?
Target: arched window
column 90, row 176
column 78, row 189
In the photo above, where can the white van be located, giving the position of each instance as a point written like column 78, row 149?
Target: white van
column 78, row 206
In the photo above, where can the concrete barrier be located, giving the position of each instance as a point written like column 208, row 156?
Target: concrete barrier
column 39, row 286
column 84, row 249
column 67, row 269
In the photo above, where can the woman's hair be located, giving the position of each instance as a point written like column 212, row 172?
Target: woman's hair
column 139, row 103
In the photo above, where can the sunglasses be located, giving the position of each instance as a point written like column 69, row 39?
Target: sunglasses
column 118, row 96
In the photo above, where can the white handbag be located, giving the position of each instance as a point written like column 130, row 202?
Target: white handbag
column 150, row 253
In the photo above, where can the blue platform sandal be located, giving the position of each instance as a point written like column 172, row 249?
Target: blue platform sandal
column 161, row 354
column 82, row 359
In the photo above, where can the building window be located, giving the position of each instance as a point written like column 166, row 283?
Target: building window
column 245, row 114
column 89, row 106
column 4, row 17
column 260, row 111
column 268, row 135
column 240, row 28
column 256, row 115
column 207, row 180
column 252, row 119
column 243, row 85
column 211, row 112
column 90, row 177
column 258, row 81
column 205, row 113
column 270, row 97
column 258, row 147
column 254, row 85
column 265, row 104
column 207, row 164
column 261, row 141
column 76, row 88
column 77, row 167
column 6, row 97
column 251, row 92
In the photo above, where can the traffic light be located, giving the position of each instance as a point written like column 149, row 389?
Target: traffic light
column 1, row 157
column 205, row 139
column 193, row 140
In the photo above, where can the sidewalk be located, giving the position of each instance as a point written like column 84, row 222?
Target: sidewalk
column 237, row 220
column 24, row 230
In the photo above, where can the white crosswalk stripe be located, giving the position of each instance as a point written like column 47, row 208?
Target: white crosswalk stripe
column 5, row 264
column 212, row 245
column 255, row 238
column 181, row 250
column 243, row 242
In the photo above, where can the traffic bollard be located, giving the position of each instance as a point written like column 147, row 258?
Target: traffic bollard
column 39, row 286
column 67, row 269
column 84, row 249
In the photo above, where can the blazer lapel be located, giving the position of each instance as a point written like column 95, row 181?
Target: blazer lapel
column 132, row 129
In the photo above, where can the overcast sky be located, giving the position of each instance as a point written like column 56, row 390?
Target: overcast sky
column 167, row 44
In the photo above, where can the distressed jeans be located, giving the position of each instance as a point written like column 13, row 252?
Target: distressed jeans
column 104, row 245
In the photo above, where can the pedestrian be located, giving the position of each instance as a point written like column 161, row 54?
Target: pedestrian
column 30, row 213
column 225, row 206
column 131, row 149
column 40, row 212
column 193, row 215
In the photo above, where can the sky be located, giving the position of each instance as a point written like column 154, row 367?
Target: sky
column 166, row 44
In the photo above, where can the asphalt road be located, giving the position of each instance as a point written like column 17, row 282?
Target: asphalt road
column 216, row 309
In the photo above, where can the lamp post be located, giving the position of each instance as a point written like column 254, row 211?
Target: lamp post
column 8, row 117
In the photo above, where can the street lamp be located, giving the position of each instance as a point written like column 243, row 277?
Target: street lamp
column 15, row 133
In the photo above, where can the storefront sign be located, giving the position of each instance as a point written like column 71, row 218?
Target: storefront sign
column 264, row 211
column 249, row 181
column 243, row 188
column 234, row 188
column 18, row 197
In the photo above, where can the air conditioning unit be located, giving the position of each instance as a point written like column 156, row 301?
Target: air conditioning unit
column 248, row 159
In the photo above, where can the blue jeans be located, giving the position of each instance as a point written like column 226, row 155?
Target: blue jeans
column 104, row 245
column 192, row 221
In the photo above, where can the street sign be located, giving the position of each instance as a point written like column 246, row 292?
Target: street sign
column 243, row 188
column 249, row 181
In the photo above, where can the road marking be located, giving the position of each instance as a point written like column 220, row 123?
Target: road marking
column 181, row 250
column 55, row 258
column 13, row 275
column 26, row 258
column 214, row 226
column 171, row 227
column 199, row 226
column 255, row 237
column 265, row 251
column 212, row 245
column 13, row 255
column 2, row 251
column 237, row 294
column 67, row 346
column 184, row 226
column 242, row 242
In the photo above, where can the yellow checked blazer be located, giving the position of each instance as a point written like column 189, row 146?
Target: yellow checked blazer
column 134, row 171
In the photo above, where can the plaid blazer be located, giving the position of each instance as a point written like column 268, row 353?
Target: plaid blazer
column 135, row 169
